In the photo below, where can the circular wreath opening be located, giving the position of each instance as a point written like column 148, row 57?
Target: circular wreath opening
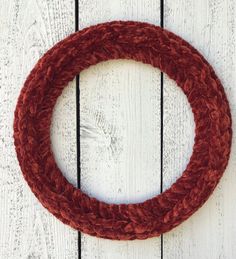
column 148, row 44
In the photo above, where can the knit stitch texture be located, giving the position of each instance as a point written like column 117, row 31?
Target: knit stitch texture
column 151, row 45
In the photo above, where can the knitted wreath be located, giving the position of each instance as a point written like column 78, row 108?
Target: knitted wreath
column 180, row 61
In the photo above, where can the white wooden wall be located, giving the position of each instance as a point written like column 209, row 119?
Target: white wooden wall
column 120, row 127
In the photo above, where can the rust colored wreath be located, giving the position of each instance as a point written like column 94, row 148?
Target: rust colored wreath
column 180, row 61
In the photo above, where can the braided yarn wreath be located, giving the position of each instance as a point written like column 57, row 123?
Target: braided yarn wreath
column 151, row 45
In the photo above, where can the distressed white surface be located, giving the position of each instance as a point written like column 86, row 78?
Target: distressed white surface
column 120, row 143
column 120, row 129
column 210, row 27
column 27, row 30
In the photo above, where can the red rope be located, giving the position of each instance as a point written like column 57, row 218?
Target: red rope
column 148, row 44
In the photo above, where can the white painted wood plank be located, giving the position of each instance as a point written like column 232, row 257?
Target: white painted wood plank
column 210, row 27
column 28, row 29
column 120, row 128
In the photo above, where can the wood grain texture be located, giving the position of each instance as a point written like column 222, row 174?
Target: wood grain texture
column 28, row 29
column 120, row 129
column 210, row 27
